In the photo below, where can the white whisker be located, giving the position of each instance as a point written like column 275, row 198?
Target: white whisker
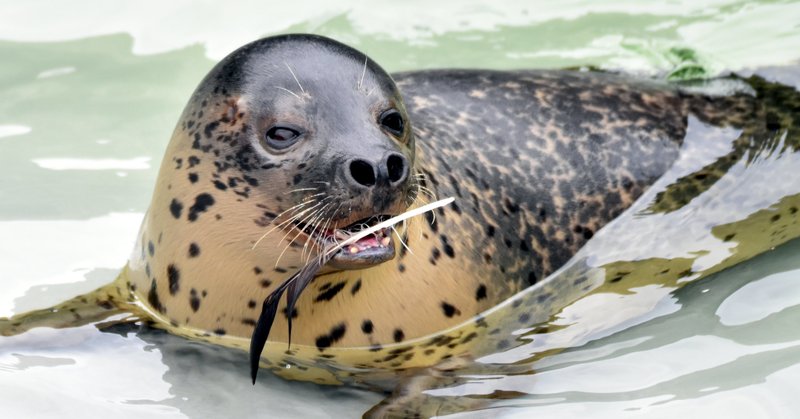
column 363, row 73
column 287, row 91
column 400, row 238
column 300, row 190
column 295, row 77
column 292, row 218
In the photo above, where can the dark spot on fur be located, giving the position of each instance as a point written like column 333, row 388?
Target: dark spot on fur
column 367, row 326
column 280, row 270
column 251, row 304
column 249, row 322
column 151, row 248
column 152, row 298
column 729, row 237
column 175, row 207
column 294, row 313
column 323, row 342
column 431, row 221
column 194, row 250
column 257, row 270
column 399, row 335
column 356, row 287
column 220, row 185
column 331, row 292
column 250, row 180
column 775, row 217
column 510, row 206
column 336, row 333
column 524, row 318
column 174, row 276
column 210, row 127
column 449, row 309
column 193, row 177
column 448, row 250
column 194, row 300
column 201, row 204
column 480, row 294
column 532, row 278
column 265, row 283
column 219, row 331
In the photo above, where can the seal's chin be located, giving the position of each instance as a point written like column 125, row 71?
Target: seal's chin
column 374, row 249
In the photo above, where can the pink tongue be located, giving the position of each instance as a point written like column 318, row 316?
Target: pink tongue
column 366, row 242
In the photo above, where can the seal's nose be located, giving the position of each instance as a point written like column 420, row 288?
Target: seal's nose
column 395, row 168
column 391, row 171
column 362, row 173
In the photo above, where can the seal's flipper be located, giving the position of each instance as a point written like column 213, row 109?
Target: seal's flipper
column 81, row 310
column 768, row 121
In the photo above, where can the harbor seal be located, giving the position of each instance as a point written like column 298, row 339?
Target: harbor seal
column 291, row 140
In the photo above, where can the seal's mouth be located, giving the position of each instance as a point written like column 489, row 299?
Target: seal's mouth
column 370, row 248
column 368, row 251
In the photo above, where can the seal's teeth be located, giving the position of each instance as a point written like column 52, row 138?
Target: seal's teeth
column 353, row 249
column 385, row 241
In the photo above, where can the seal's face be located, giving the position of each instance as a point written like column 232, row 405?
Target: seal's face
column 329, row 144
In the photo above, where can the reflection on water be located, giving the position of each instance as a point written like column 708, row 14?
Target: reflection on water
column 132, row 371
column 686, row 360
column 90, row 101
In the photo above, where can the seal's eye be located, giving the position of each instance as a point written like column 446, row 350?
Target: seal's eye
column 280, row 137
column 393, row 122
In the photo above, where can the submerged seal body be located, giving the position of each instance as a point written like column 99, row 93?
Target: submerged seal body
column 532, row 159
column 292, row 140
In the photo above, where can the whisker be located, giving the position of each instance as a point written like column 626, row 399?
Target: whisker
column 287, row 91
column 295, row 77
column 284, row 223
column 315, row 223
column 305, row 220
column 300, row 190
column 400, row 239
column 363, row 73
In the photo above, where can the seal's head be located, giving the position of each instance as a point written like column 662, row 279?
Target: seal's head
column 319, row 135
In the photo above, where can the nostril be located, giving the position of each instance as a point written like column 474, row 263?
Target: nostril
column 362, row 172
column 396, row 167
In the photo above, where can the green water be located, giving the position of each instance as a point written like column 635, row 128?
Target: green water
column 89, row 95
